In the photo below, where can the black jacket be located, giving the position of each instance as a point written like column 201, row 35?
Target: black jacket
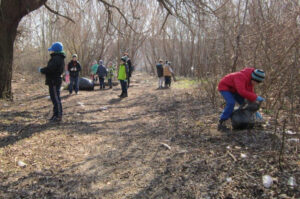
column 74, row 68
column 54, row 69
column 101, row 71
column 160, row 70
column 130, row 67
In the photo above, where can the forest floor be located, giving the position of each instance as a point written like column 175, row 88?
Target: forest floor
column 153, row 144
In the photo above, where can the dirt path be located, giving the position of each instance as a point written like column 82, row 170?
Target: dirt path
column 153, row 144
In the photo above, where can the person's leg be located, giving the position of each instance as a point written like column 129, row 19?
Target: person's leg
column 76, row 81
column 125, row 84
column 110, row 83
column 100, row 82
column 57, row 102
column 162, row 81
column 230, row 102
column 103, row 83
column 128, row 82
column 121, row 84
column 239, row 99
column 71, row 84
column 52, row 97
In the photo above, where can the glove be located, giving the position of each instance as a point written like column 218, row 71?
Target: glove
column 258, row 116
column 39, row 69
column 260, row 99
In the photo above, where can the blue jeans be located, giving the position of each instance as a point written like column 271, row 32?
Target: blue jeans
column 74, row 81
column 123, row 86
column 230, row 99
column 54, row 91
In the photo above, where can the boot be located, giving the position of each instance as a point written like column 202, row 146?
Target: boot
column 222, row 126
column 121, row 94
column 57, row 119
column 51, row 119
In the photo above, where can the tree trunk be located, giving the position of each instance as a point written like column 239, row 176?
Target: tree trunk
column 7, row 37
column 11, row 13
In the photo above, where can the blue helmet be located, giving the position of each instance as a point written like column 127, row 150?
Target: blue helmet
column 56, row 47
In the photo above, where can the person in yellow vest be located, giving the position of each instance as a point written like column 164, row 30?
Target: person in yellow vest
column 122, row 76
column 168, row 74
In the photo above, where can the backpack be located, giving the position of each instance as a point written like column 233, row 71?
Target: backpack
column 244, row 116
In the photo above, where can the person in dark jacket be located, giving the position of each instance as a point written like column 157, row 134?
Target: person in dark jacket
column 102, row 73
column 130, row 68
column 53, row 72
column 74, row 68
column 236, row 87
column 160, row 74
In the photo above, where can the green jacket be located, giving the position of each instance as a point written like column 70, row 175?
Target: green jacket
column 123, row 71
column 94, row 69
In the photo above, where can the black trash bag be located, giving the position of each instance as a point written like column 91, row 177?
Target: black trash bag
column 86, row 84
column 244, row 117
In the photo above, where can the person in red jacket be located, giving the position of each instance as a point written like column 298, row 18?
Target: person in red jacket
column 236, row 87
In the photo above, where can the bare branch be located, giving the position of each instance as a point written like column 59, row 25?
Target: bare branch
column 57, row 13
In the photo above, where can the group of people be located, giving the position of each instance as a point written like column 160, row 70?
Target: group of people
column 164, row 73
column 56, row 66
column 234, row 87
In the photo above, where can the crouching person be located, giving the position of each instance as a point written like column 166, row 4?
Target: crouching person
column 53, row 72
column 122, row 76
column 236, row 87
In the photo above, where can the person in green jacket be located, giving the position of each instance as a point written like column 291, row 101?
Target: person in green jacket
column 94, row 71
column 110, row 73
column 122, row 76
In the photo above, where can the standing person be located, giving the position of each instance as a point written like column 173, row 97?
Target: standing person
column 74, row 68
column 160, row 74
column 94, row 69
column 110, row 73
column 130, row 68
column 102, row 73
column 53, row 72
column 168, row 74
column 122, row 76
column 236, row 87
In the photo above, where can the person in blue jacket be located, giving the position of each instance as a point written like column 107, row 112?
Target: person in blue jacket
column 102, row 73
column 53, row 72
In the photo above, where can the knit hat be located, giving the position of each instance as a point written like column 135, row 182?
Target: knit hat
column 101, row 62
column 124, row 58
column 258, row 75
column 56, row 47
column 75, row 55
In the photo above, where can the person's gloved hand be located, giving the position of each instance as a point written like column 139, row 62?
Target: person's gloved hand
column 39, row 69
column 258, row 115
column 260, row 99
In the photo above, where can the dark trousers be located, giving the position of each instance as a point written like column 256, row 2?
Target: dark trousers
column 167, row 81
column 110, row 83
column 54, row 91
column 123, row 86
column 102, row 84
column 74, row 82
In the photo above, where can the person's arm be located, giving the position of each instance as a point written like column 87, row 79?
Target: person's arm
column 240, row 86
column 171, row 70
column 50, row 68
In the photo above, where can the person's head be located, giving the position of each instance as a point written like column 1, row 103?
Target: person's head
column 126, row 54
column 160, row 61
column 56, row 47
column 169, row 63
column 257, row 76
column 101, row 62
column 74, row 57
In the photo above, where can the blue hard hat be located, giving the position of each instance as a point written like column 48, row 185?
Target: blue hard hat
column 56, row 47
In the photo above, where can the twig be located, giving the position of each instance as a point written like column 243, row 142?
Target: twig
column 57, row 13
column 231, row 155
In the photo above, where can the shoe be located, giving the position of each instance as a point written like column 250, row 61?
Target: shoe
column 76, row 93
column 222, row 127
column 52, row 118
column 57, row 119
column 124, row 95
column 121, row 95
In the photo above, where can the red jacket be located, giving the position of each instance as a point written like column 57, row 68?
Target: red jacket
column 239, row 82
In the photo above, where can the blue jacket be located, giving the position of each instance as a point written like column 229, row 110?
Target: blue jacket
column 101, row 71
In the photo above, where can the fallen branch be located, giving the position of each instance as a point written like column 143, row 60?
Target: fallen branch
column 232, row 156
column 57, row 13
